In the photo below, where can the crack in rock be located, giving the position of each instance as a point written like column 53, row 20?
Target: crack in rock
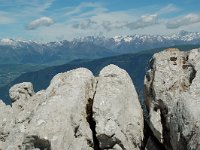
column 90, row 119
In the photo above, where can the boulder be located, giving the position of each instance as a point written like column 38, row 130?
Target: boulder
column 56, row 117
column 117, row 111
column 172, row 90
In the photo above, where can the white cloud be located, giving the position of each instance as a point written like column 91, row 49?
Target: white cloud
column 85, row 24
column 92, row 22
column 107, row 24
column 143, row 21
column 128, row 19
column 69, row 11
column 170, row 8
column 23, row 10
column 24, row 5
column 43, row 21
column 183, row 21
column 104, row 21
column 5, row 18
column 99, row 18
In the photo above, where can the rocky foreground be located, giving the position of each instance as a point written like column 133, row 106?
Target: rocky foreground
column 81, row 112
column 76, row 112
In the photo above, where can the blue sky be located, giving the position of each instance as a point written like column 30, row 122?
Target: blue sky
column 50, row 20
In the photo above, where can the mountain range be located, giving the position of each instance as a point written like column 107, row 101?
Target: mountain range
column 60, row 52
column 20, row 52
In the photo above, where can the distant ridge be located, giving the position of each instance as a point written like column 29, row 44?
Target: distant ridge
column 91, row 47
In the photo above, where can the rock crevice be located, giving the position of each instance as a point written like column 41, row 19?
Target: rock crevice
column 89, row 118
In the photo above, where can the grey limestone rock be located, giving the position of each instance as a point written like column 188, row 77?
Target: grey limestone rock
column 56, row 117
column 117, row 111
column 172, row 90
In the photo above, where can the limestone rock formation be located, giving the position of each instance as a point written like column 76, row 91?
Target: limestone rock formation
column 68, row 114
column 117, row 111
column 172, row 91
column 56, row 117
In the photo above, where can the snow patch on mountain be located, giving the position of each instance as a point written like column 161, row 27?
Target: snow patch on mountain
column 7, row 41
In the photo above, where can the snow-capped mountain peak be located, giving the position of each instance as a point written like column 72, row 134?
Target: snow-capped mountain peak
column 7, row 41
column 92, row 46
column 183, row 33
column 122, row 38
column 120, row 43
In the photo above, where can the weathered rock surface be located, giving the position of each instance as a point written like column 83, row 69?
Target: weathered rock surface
column 6, row 122
column 172, row 91
column 19, row 95
column 117, row 111
column 66, row 114
column 21, row 91
column 54, row 118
